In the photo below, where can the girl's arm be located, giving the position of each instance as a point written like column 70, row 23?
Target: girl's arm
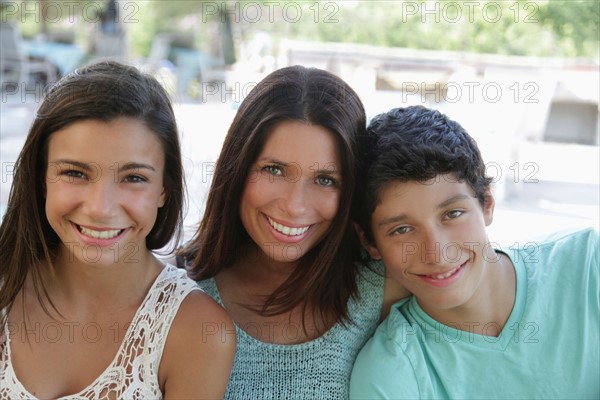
column 199, row 351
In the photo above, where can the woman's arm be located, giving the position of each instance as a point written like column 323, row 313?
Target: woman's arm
column 199, row 351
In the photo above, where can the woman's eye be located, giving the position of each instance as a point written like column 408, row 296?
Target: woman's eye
column 326, row 181
column 273, row 170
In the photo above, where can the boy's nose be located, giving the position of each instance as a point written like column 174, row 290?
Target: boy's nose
column 431, row 247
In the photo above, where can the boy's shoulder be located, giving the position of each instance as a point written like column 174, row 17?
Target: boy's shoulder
column 573, row 241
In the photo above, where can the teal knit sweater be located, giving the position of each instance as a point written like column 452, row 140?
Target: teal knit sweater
column 318, row 369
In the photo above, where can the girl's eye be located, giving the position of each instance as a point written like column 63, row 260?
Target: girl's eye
column 454, row 214
column 73, row 174
column 134, row 179
column 326, row 181
column 401, row 230
column 273, row 170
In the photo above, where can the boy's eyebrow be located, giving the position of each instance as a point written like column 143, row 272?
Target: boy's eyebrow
column 87, row 166
column 443, row 204
column 453, row 199
column 392, row 220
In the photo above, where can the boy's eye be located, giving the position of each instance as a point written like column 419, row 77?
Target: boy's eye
column 401, row 230
column 454, row 214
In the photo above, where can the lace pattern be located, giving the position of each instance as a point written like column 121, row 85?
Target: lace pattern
column 133, row 373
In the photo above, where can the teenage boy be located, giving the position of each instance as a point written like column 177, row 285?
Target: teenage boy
column 483, row 323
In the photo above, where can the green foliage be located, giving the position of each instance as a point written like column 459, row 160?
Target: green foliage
column 532, row 28
column 547, row 28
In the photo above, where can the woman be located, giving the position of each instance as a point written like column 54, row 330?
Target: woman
column 276, row 246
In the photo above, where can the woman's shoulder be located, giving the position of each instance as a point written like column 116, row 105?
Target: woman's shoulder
column 370, row 276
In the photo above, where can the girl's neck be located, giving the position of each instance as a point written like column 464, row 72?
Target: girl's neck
column 83, row 287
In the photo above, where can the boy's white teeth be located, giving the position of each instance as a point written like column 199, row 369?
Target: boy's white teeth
column 286, row 230
column 100, row 234
column 446, row 275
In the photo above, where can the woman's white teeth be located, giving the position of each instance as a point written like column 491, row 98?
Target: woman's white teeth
column 446, row 275
column 286, row 230
column 100, row 234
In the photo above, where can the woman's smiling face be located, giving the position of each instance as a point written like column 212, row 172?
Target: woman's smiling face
column 292, row 191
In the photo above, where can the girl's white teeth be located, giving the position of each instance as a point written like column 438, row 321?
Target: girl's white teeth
column 286, row 230
column 446, row 275
column 100, row 234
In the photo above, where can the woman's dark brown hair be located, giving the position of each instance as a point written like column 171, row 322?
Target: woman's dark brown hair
column 325, row 278
column 102, row 91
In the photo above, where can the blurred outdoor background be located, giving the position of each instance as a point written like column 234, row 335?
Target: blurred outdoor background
column 521, row 76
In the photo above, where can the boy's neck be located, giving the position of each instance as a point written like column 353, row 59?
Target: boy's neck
column 488, row 313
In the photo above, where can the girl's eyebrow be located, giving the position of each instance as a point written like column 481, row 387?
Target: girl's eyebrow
column 78, row 164
column 133, row 165
column 121, row 167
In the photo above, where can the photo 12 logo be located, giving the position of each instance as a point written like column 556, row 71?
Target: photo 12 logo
column 271, row 11
column 469, row 11
column 69, row 11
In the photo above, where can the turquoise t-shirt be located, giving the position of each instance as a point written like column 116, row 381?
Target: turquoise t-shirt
column 548, row 349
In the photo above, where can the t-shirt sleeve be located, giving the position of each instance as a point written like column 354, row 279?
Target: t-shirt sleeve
column 382, row 371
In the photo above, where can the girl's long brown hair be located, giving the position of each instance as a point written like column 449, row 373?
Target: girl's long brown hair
column 102, row 91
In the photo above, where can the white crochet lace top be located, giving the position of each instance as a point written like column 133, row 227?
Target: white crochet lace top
column 133, row 373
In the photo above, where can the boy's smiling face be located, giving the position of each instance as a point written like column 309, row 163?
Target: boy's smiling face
column 431, row 236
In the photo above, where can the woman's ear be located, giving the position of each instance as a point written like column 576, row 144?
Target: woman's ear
column 366, row 243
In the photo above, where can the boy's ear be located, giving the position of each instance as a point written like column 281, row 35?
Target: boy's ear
column 488, row 207
column 371, row 249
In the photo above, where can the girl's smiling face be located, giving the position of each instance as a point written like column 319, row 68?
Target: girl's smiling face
column 293, row 190
column 104, row 186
